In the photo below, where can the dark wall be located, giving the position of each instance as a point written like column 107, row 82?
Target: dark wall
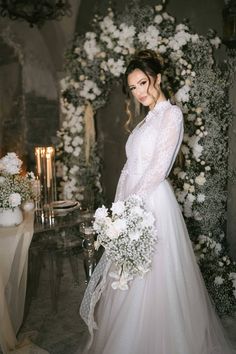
column 12, row 127
column 203, row 14
column 29, row 107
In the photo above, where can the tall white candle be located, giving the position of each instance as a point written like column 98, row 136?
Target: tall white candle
column 49, row 169
column 38, row 162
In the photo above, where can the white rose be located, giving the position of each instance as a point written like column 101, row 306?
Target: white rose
column 14, row 200
column 181, row 196
column 182, row 174
column 176, row 170
column 183, row 94
column 158, row 19
column 68, row 149
column 218, row 248
column 191, row 189
column 112, row 232
column 194, row 38
column 162, row 49
column 74, row 169
column 197, row 215
column 200, row 180
column 215, row 42
column 148, row 221
column 198, row 110
column 119, row 225
column 186, row 186
column 185, row 149
column 218, row 280
column 10, row 163
column 158, row 8
column 137, row 210
column 191, row 197
column 118, row 207
column 101, row 213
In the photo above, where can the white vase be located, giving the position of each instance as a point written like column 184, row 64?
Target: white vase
column 11, row 217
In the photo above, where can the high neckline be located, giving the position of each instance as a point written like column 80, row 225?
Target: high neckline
column 160, row 105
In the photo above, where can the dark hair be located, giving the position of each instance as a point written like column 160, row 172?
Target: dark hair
column 150, row 64
column 145, row 60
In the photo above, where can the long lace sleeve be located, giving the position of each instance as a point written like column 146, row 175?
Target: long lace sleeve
column 120, row 186
column 166, row 148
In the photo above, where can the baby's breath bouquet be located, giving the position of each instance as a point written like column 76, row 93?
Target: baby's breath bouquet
column 128, row 235
column 15, row 188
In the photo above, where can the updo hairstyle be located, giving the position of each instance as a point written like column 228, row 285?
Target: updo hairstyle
column 150, row 64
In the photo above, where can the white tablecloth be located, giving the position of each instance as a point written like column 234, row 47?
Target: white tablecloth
column 14, row 246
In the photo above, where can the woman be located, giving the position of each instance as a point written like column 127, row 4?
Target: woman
column 169, row 310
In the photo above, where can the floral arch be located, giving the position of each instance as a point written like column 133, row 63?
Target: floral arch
column 201, row 90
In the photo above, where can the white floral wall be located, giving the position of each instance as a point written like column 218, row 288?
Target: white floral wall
column 202, row 15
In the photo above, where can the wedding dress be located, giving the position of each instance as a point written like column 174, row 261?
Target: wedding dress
column 169, row 310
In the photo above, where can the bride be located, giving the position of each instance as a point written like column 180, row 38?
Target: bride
column 169, row 310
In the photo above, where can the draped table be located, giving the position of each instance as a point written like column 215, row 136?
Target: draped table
column 14, row 246
column 15, row 243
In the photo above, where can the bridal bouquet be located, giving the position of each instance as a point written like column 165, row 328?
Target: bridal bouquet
column 128, row 235
column 14, row 187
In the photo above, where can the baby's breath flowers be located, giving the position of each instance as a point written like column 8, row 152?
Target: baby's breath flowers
column 15, row 188
column 128, row 236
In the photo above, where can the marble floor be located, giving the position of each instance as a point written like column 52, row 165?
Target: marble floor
column 58, row 327
column 61, row 330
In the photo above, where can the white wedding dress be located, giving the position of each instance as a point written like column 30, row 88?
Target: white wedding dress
column 169, row 310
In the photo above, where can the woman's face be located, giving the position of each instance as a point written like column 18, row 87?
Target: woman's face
column 147, row 93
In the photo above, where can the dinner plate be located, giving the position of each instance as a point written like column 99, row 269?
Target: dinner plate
column 64, row 204
column 62, row 207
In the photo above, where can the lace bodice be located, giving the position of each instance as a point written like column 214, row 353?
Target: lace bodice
column 152, row 148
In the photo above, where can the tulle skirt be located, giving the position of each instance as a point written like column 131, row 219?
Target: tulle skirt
column 168, row 311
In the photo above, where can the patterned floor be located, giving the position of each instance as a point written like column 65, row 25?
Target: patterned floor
column 62, row 331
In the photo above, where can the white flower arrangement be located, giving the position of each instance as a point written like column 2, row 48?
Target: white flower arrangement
column 219, row 272
column 200, row 88
column 99, row 57
column 15, row 188
column 128, row 236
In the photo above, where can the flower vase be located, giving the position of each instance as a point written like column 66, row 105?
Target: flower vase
column 10, row 216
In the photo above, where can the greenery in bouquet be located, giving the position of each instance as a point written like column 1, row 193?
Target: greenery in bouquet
column 128, row 236
column 15, row 188
column 198, row 84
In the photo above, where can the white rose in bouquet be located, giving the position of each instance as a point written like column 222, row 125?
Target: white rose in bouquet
column 128, row 236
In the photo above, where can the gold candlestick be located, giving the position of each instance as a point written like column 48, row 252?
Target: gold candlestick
column 45, row 171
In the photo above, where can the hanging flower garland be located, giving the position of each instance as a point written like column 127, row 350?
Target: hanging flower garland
column 98, row 58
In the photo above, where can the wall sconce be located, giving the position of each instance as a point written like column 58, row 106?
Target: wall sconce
column 229, row 23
